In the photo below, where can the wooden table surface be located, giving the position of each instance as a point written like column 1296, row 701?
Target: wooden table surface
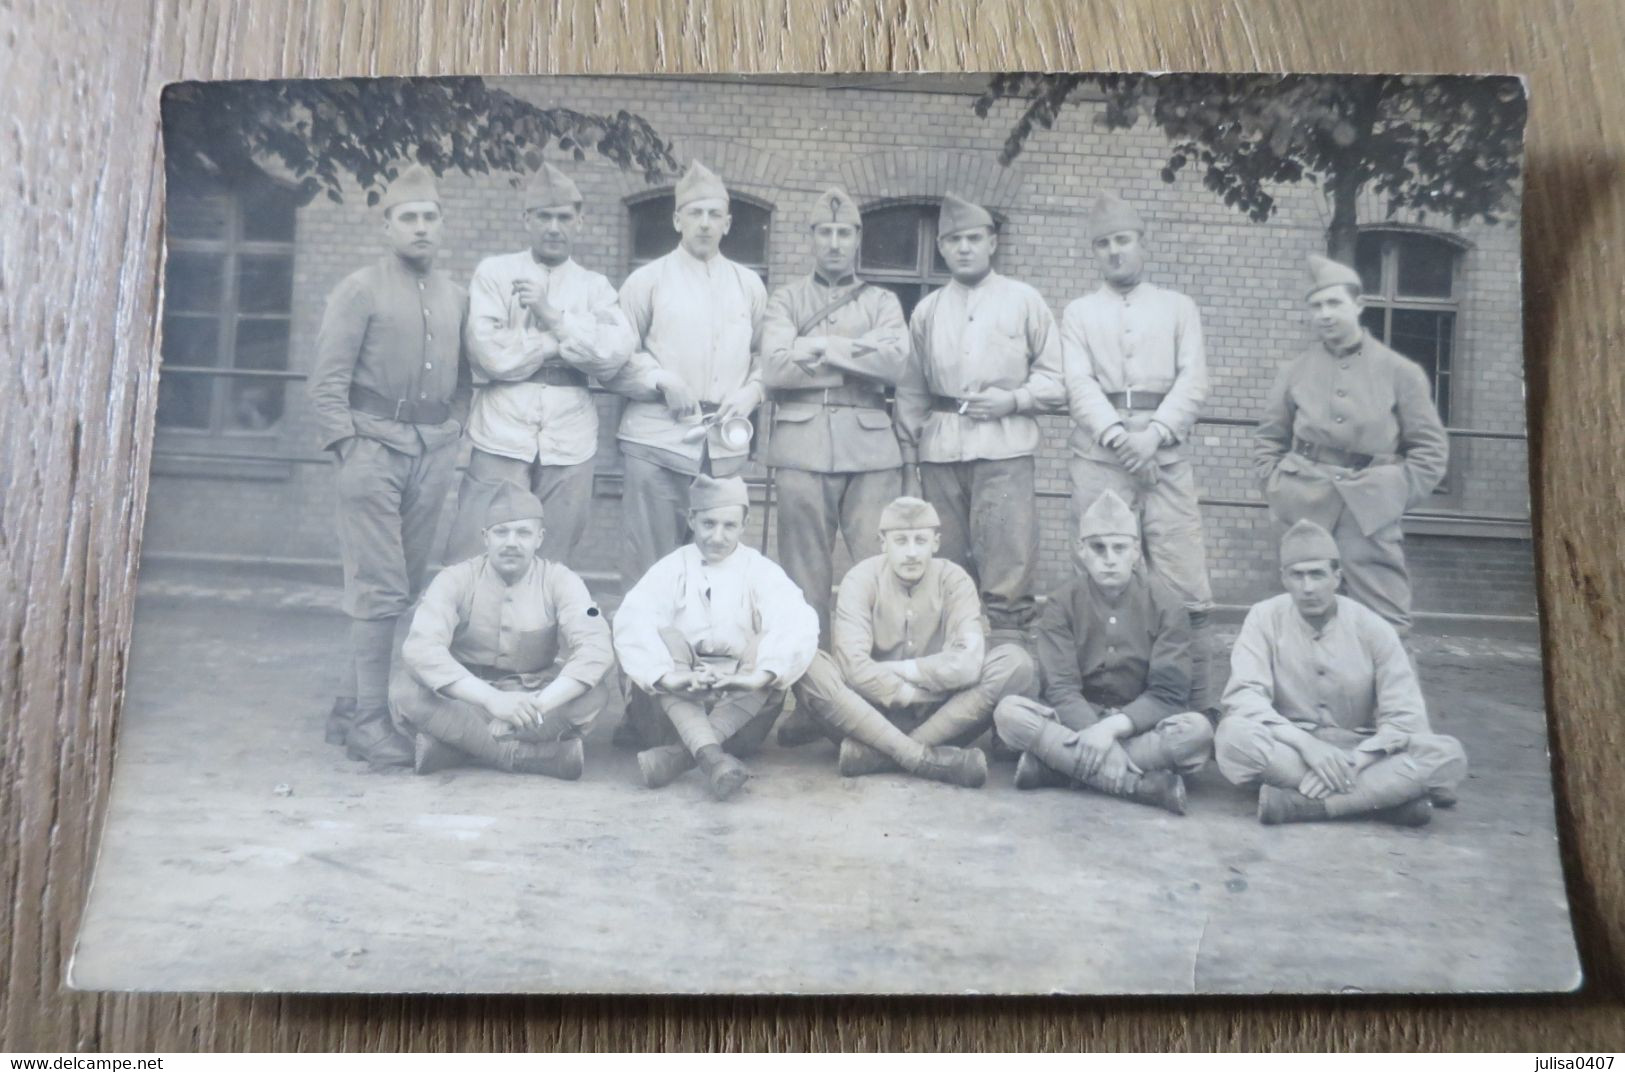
column 79, row 158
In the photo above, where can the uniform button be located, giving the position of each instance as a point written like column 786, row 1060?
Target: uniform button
column 425, row 394
column 1340, row 476
column 429, row 336
column 1343, row 365
column 1339, row 420
column 1342, row 393
column 428, row 364
column 1113, row 621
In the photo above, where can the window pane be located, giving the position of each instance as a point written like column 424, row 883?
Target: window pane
column 1426, row 266
column 264, row 284
column 1374, row 318
column 197, row 217
column 268, row 217
column 891, row 239
column 255, row 404
column 1426, row 338
column 652, row 232
column 1368, row 262
column 746, row 240
column 192, row 281
column 191, row 340
column 183, row 400
column 262, row 343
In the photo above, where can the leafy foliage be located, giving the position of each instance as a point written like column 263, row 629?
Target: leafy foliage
column 1446, row 145
column 320, row 131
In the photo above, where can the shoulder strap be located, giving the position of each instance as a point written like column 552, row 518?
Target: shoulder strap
column 839, row 303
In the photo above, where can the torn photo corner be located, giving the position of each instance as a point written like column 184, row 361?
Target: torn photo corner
column 882, row 534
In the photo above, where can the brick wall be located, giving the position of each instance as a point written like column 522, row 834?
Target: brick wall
column 782, row 145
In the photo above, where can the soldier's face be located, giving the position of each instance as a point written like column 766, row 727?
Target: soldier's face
column 701, row 225
column 552, row 232
column 909, row 551
column 1313, row 586
column 510, row 545
column 413, row 229
column 835, row 248
column 717, row 531
column 969, row 253
column 1109, row 560
column 1121, row 257
column 1335, row 314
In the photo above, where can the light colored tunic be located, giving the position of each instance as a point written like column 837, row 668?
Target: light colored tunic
column 998, row 333
column 538, row 422
column 936, row 622
column 744, row 607
column 1148, row 339
column 700, row 320
column 470, row 616
column 1352, row 674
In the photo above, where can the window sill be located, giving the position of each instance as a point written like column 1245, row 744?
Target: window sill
column 1479, row 530
column 209, row 460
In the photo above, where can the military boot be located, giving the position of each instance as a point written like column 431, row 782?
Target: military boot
column 1276, row 806
column 339, row 720
column 724, row 775
column 1418, row 812
column 556, row 759
column 799, row 728
column 664, row 765
column 373, row 738
column 1032, row 773
column 857, row 759
column 1160, row 789
column 431, row 755
column 957, row 766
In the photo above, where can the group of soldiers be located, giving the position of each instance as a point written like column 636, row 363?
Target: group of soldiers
column 911, row 438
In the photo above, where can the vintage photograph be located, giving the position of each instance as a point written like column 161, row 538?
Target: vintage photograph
column 943, row 534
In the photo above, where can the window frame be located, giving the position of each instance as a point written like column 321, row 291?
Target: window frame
column 218, row 449
column 631, row 204
column 924, row 275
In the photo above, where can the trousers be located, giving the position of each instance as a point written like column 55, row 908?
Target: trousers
column 1248, row 754
column 990, row 527
column 389, row 509
column 899, row 732
column 565, row 492
column 468, row 728
column 813, row 508
column 1181, row 742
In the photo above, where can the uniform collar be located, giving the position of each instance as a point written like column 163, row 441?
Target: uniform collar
column 831, row 284
column 564, row 265
column 1352, row 348
column 992, row 274
column 1098, row 594
column 400, row 265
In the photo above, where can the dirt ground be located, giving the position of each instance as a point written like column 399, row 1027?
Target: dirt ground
column 242, row 853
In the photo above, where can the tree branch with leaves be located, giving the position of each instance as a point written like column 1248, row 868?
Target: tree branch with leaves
column 1443, row 145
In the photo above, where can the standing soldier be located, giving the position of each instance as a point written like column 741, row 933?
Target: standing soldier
column 1113, row 652
column 386, row 370
column 1136, row 377
column 985, row 357
column 1350, row 440
column 696, row 315
column 831, row 345
column 539, row 325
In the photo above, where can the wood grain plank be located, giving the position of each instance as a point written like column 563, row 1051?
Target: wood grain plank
column 78, row 254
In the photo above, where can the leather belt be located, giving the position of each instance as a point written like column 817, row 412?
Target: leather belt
column 558, row 376
column 495, row 673
column 1132, row 399
column 1327, row 455
column 947, row 404
column 406, row 410
column 850, row 397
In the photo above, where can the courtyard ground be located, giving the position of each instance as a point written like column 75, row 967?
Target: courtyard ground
column 241, row 853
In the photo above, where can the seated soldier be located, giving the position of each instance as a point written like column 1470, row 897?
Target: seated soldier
column 1323, row 711
column 716, row 634
column 908, row 685
column 1114, row 653
column 506, row 662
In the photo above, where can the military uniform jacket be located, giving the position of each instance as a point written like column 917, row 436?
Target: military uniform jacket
column 543, row 625
column 1148, row 339
column 868, row 347
column 936, row 623
column 398, row 334
column 1371, row 401
column 1131, row 652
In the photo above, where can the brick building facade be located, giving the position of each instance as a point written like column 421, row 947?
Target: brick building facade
column 231, row 476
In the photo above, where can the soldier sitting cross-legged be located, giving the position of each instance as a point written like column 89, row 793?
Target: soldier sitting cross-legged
column 908, row 685
column 1114, row 652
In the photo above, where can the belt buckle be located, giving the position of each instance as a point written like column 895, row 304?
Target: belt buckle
column 400, row 404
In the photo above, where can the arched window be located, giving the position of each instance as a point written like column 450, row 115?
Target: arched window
column 899, row 251
column 1410, row 283
column 228, row 300
column 746, row 242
